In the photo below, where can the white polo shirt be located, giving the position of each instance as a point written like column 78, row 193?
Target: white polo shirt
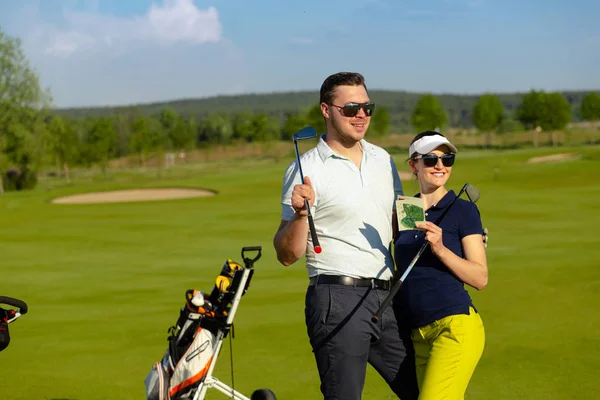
column 352, row 211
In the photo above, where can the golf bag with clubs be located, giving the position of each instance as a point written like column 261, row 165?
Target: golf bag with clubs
column 9, row 316
column 194, row 342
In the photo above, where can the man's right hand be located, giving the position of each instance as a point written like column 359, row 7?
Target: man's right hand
column 300, row 194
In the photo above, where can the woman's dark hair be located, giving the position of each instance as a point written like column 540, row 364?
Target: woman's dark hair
column 339, row 79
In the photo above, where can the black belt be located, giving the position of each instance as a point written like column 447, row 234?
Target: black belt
column 348, row 281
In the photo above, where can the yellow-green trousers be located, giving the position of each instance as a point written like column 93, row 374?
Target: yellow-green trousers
column 447, row 352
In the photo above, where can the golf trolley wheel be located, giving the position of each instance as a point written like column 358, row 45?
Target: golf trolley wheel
column 263, row 394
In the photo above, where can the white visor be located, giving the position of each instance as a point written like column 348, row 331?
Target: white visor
column 429, row 143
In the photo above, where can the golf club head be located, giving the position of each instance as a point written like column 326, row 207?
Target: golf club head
column 305, row 133
column 472, row 193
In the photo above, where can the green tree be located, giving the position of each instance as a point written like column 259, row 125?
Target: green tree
column 85, row 154
column 529, row 111
column 314, row 118
column 242, row 126
column 123, row 122
column 181, row 136
column 429, row 114
column 23, row 139
column 102, row 142
column 488, row 113
column 380, row 122
column 265, row 128
column 145, row 138
column 215, row 129
column 556, row 114
column 62, row 144
column 543, row 111
column 193, row 128
column 23, row 146
column 590, row 107
column 556, row 111
column 22, row 101
column 168, row 120
column 293, row 123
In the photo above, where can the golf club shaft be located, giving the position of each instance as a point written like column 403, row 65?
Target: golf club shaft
column 394, row 290
column 311, row 223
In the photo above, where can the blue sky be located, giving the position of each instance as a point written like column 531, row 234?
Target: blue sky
column 115, row 52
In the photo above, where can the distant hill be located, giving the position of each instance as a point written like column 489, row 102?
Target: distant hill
column 399, row 104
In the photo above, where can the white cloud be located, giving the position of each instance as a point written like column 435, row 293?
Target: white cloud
column 175, row 21
column 171, row 49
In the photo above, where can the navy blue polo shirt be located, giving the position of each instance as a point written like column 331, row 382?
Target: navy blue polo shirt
column 431, row 291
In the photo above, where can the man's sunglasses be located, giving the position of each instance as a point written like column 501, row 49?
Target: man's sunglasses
column 431, row 160
column 351, row 109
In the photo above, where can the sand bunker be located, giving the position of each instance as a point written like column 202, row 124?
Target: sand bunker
column 123, row 196
column 553, row 158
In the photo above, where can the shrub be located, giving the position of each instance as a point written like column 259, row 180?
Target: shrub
column 19, row 179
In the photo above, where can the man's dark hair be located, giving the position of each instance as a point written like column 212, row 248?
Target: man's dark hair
column 339, row 79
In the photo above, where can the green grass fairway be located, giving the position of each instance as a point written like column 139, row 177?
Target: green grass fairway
column 105, row 282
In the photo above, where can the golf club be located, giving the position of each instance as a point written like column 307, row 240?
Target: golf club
column 307, row 133
column 473, row 195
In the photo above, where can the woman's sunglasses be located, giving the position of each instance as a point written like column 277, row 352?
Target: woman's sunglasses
column 431, row 160
column 351, row 109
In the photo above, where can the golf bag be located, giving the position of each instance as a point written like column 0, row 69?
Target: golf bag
column 194, row 342
column 9, row 316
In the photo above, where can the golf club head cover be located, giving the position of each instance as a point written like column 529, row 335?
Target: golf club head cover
column 226, row 276
column 198, row 302
column 224, row 280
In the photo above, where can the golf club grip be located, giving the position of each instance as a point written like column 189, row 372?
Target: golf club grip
column 21, row 305
column 313, row 234
column 386, row 302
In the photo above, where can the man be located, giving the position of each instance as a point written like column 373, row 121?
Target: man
column 351, row 186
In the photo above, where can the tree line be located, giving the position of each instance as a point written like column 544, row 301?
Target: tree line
column 33, row 134
column 399, row 104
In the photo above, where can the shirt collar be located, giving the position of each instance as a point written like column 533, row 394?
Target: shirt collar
column 325, row 151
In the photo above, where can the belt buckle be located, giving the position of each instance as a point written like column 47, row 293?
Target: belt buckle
column 372, row 283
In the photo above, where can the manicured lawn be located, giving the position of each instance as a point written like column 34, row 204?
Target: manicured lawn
column 105, row 282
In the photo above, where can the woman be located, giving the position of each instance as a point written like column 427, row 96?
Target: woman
column 447, row 331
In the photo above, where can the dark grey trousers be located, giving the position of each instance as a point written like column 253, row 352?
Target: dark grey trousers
column 344, row 340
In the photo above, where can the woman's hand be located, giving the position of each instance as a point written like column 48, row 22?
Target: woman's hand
column 472, row 269
column 433, row 234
